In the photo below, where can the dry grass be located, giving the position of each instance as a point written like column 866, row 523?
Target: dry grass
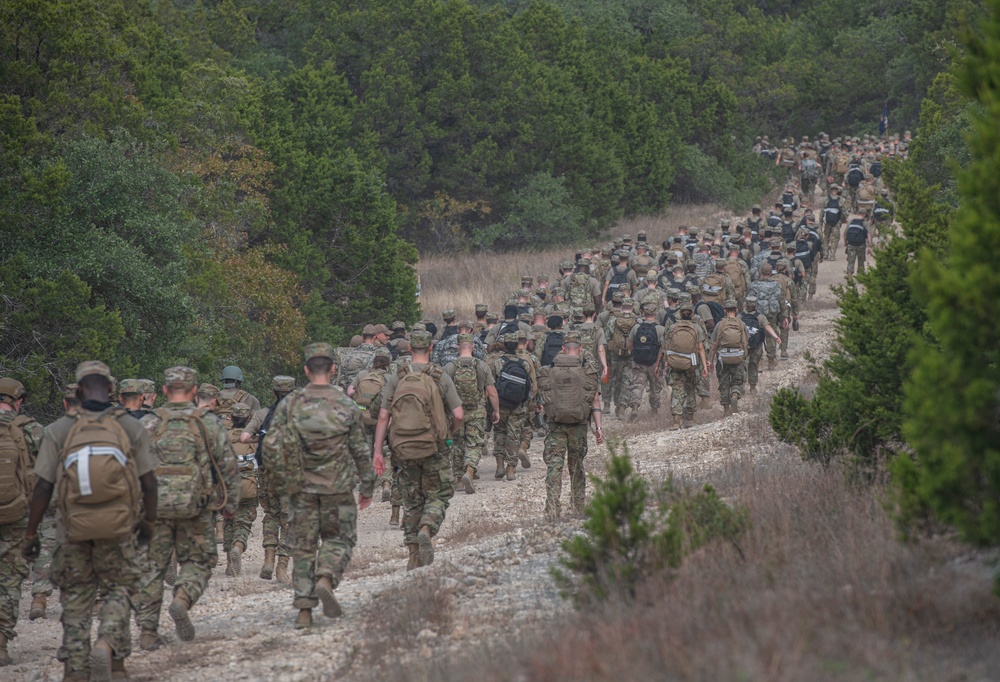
column 460, row 281
column 398, row 615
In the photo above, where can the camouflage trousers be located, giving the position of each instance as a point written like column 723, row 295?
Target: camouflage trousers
column 427, row 490
column 783, row 332
column 831, row 240
column 731, row 380
column 275, row 523
column 528, row 432
column 391, row 472
column 41, row 583
column 684, row 394
column 565, row 444
column 322, row 532
column 507, row 434
column 470, row 442
column 193, row 540
column 13, row 570
column 704, row 388
column 237, row 529
column 620, row 382
column 769, row 345
column 753, row 364
column 81, row 570
column 855, row 254
column 811, row 275
column 642, row 377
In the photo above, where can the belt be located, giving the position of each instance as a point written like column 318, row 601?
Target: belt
column 693, row 357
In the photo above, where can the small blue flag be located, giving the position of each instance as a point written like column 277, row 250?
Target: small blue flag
column 883, row 125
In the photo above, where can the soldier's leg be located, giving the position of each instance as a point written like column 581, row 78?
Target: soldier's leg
column 197, row 555
column 410, row 474
column 118, row 575
column 655, row 389
column 303, row 541
column 753, row 365
column 691, row 378
column 500, row 436
column 159, row 554
column 783, row 335
column 835, row 246
column 861, row 260
column 13, row 571
column 73, row 573
column 474, row 438
column 738, row 379
column 456, row 454
column 677, row 396
column 246, row 514
column 703, row 387
column 851, row 256
column 554, row 457
column 723, row 372
column 827, row 243
column 41, row 583
column 438, row 490
column 512, row 437
column 813, row 271
column 639, row 380
column 769, row 344
column 338, row 528
column 396, row 494
column 269, row 504
column 576, row 450
column 528, row 429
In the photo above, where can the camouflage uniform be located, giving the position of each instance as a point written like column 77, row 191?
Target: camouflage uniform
column 684, row 383
column 507, row 432
column 646, row 376
column 237, row 529
column 470, row 441
column 13, row 568
column 191, row 539
column 275, row 508
column 79, row 568
column 619, row 370
column 322, row 520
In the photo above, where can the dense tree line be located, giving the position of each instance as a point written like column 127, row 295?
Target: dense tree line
column 214, row 182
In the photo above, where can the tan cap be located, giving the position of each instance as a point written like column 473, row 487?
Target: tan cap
column 69, row 391
column 368, row 330
column 240, row 410
column 464, row 324
column 465, row 338
column 382, row 329
column 89, row 367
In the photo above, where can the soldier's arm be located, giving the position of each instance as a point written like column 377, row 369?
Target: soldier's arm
column 381, row 427
column 361, row 452
column 226, row 461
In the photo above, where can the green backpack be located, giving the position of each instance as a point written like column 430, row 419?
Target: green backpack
column 467, row 382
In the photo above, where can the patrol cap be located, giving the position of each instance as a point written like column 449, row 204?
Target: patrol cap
column 420, row 340
column 283, row 383
column 618, row 297
column 509, row 337
column 648, row 307
column 542, row 278
column 383, row 353
column 651, row 275
column 381, row 329
column 686, row 306
column 726, row 222
column 577, row 314
column 465, row 338
column 715, row 250
column 180, row 377
column 11, row 388
column 319, row 350
column 521, row 335
column 464, row 324
column 482, row 308
column 69, row 391
column 356, row 341
column 692, row 289
column 628, row 300
column 368, row 330
column 626, row 238
column 583, row 261
column 240, row 410
column 527, row 279
column 571, row 337
column 776, row 243
column 130, row 386
column 710, row 232
column 692, row 231
column 684, row 297
column 730, row 304
column 91, row 367
column 520, row 293
column 622, row 254
column 399, row 325
column 756, row 207
column 673, row 293
column 566, row 265
column 148, row 385
column 209, row 390
column 448, row 315
column 557, row 291
column 492, row 317
column 419, row 327
column 750, row 301
column 588, row 306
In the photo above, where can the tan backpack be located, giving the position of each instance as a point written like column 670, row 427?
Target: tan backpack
column 713, row 287
column 224, row 408
column 248, row 472
column 735, row 273
column 568, row 390
column 618, row 333
column 97, row 479
column 368, row 395
column 419, row 427
column 732, row 340
column 682, row 345
column 14, row 472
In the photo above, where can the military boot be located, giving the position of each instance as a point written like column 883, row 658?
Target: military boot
column 772, row 363
column 511, row 472
column 5, row 658
column 150, row 640
column 324, row 590
column 734, row 406
column 725, row 410
column 267, row 570
column 394, row 518
column 100, row 661
column 674, row 423
column 70, row 676
column 470, row 472
column 229, row 564
column 414, row 559
column 500, row 472
column 38, row 605
column 179, row 612
column 386, row 490
column 654, row 411
column 281, row 572
column 304, row 620
column 118, row 672
column 522, row 457
column 236, row 555
column 425, row 545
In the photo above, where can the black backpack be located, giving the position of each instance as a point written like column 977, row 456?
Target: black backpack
column 553, row 346
column 876, row 169
column 619, row 277
column 804, row 252
column 773, row 220
column 645, row 345
column 717, row 310
column 514, row 384
column 855, row 176
column 787, row 231
column 856, row 234
column 788, row 199
column 754, row 330
column 507, row 327
column 831, row 214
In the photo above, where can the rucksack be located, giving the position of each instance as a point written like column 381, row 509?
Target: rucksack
column 467, row 382
column 97, row 479
column 788, row 199
column 755, row 333
column 856, row 234
column 768, row 293
column 14, row 472
column 880, row 213
column 579, row 290
column 682, row 345
column 713, row 287
column 368, row 395
column 645, row 345
column 840, row 164
column 355, row 361
column 855, row 176
column 617, row 333
column 810, row 169
column 704, row 265
column 831, row 214
column 804, row 252
column 735, row 274
column 224, row 406
column 788, row 157
column 552, row 348
column 514, row 383
column 418, row 427
column 875, row 169
column 787, row 231
column 619, row 278
column 643, row 264
column 183, row 464
column 507, row 327
column 568, row 390
column 718, row 312
column 731, row 336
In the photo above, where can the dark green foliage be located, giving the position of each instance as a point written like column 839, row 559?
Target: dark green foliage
column 953, row 395
column 625, row 541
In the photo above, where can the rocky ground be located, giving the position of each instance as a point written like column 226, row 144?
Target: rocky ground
column 490, row 580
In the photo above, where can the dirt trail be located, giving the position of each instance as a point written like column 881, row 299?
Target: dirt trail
column 490, row 577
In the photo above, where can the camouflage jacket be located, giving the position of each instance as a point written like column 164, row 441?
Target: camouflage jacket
column 446, row 350
column 328, row 426
column 217, row 442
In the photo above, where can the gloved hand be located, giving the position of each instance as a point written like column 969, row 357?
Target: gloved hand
column 31, row 547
